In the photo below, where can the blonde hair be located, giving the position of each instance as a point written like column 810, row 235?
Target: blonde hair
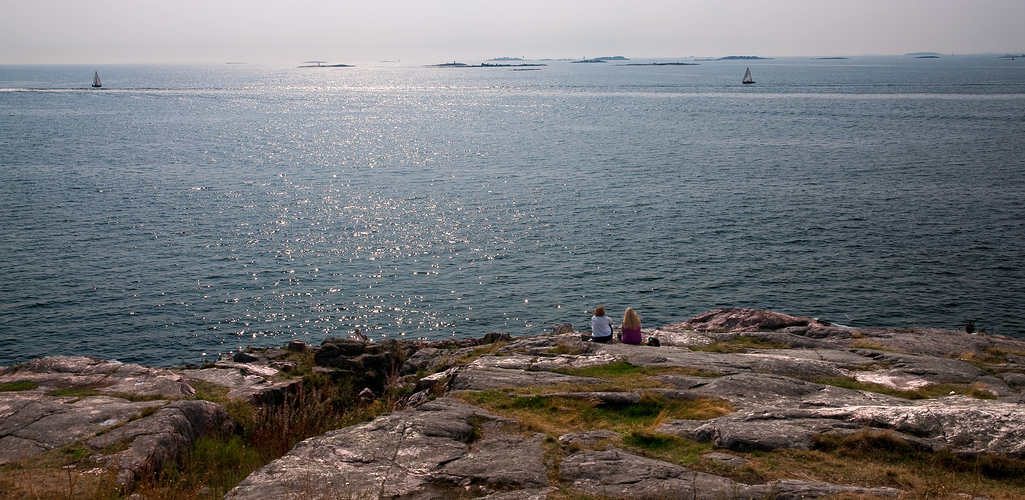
column 630, row 319
column 600, row 311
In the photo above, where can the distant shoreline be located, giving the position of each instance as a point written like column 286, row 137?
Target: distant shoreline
column 483, row 65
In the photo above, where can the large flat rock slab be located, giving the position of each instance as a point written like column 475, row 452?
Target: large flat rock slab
column 747, row 320
column 416, row 454
column 618, row 474
column 475, row 378
column 33, row 423
column 80, row 372
column 959, row 424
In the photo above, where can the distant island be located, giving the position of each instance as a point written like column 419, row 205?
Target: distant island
column 923, row 54
column 506, row 59
column 660, row 64
column 454, row 64
column 602, row 59
column 927, row 57
column 323, row 64
column 733, row 58
column 828, row 58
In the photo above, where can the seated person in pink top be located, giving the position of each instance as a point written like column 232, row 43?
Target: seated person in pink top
column 631, row 327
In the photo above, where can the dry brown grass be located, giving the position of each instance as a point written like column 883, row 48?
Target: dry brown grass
column 879, row 459
column 871, row 344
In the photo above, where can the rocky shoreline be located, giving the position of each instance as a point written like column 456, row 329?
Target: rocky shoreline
column 779, row 383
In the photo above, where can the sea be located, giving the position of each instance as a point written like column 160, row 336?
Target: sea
column 181, row 212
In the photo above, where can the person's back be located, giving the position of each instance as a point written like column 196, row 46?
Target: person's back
column 601, row 326
column 631, row 328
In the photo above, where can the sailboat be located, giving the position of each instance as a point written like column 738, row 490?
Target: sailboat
column 747, row 77
column 96, row 80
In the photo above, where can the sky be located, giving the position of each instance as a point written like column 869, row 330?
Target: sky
column 431, row 31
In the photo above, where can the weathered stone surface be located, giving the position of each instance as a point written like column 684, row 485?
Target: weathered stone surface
column 962, row 425
column 32, row 423
column 618, row 474
column 152, row 431
column 373, row 364
column 589, row 438
column 244, row 357
column 472, row 379
column 501, row 461
column 562, row 328
column 727, row 459
column 420, row 453
column 252, row 388
column 748, row 320
column 793, row 489
column 439, row 448
column 80, row 372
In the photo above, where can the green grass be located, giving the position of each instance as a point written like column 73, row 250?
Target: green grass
column 651, row 442
column 208, row 391
column 740, row 345
column 556, row 416
column 887, row 448
column 927, row 392
column 623, row 371
column 561, row 349
column 480, row 351
column 22, row 385
column 868, row 344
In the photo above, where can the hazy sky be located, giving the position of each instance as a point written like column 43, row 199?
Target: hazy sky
column 289, row 31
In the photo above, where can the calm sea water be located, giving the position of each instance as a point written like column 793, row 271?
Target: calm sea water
column 180, row 212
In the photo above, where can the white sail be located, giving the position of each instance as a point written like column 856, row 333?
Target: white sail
column 747, row 76
column 96, row 79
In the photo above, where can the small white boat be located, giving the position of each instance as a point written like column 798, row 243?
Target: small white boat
column 96, row 80
column 747, row 77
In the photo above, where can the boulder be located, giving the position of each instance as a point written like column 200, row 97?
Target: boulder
column 562, row 328
column 747, row 320
column 160, row 437
column 255, row 389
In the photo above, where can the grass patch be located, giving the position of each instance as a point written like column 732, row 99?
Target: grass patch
column 650, row 441
column 472, row 356
column 622, row 372
column 869, row 344
column 927, row 392
column 562, row 349
column 884, row 459
column 209, row 391
column 740, row 345
column 556, row 416
column 22, row 385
